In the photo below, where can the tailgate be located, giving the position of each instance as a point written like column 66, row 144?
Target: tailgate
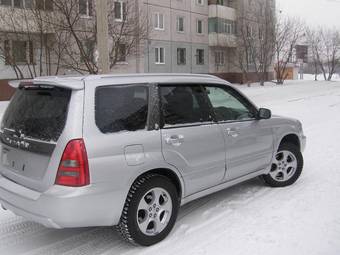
column 30, row 129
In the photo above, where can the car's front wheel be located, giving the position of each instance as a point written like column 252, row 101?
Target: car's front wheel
column 286, row 167
column 150, row 210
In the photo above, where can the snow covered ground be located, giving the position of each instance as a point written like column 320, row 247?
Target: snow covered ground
column 311, row 77
column 249, row 218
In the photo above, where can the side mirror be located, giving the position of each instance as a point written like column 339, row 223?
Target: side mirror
column 264, row 114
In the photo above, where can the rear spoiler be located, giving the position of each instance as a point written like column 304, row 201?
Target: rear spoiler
column 74, row 84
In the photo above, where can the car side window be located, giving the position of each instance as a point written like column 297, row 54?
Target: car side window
column 121, row 108
column 229, row 105
column 184, row 105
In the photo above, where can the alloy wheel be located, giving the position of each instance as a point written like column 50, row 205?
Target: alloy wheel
column 154, row 211
column 284, row 166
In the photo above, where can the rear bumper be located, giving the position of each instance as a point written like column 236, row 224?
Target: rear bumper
column 64, row 207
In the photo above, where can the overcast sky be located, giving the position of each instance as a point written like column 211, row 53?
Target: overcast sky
column 315, row 12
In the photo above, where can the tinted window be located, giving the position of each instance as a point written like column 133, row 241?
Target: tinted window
column 38, row 112
column 229, row 105
column 121, row 108
column 184, row 105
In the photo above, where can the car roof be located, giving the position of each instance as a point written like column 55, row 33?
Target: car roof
column 79, row 82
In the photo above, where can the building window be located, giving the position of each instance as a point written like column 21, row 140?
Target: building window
column 181, row 56
column 219, row 25
column 159, row 56
column 19, row 52
column 7, row 52
column 6, row 2
column 86, row 8
column 227, row 27
column 249, row 56
column 200, row 2
column 260, row 34
column 249, row 31
column 44, row 4
column 159, row 21
column 17, row 3
column 219, row 58
column 200, row 57
column 199, row 26
column 121, row 52
column 89, row 49
column 229, row 3
column 180, row 24
column 120, row 10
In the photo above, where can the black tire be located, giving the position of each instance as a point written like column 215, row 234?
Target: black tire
column 298, row 155
column 128, row 226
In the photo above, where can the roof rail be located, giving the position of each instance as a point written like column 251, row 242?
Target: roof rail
column 108, row 76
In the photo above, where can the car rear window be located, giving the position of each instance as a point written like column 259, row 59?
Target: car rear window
column 121, row 108
column 38, row 112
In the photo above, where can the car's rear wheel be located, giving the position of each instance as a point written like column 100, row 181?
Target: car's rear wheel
column 150, row 210
column 286, row 167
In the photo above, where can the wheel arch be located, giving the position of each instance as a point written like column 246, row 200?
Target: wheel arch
column 170, row 174
column 291, row 138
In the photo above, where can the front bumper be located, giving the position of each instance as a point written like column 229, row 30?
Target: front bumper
column 64, row 207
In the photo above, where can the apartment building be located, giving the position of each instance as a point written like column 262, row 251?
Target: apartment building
column 199, row 36
column 191, row 36
column 178, row 38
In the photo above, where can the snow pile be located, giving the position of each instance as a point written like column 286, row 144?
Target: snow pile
column 249, row 218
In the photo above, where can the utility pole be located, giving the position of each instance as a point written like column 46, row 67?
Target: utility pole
column 102, row 36
column 137, row 39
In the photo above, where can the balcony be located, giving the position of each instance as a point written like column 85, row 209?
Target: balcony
column 222, row 32
column 222, row 11
column 222, row 40
column 229, row 3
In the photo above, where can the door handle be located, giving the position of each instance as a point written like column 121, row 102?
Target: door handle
column 232, row 132
column 175, row 140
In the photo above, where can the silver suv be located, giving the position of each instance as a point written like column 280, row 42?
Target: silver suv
column 129, row 150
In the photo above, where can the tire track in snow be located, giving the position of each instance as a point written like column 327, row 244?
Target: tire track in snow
column 92, row 241
column 334, row 105
column 310, row 97
column 226, row 199
column 14, row 231
column 8, row 223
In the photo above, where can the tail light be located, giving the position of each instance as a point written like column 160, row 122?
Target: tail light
column 73, row 169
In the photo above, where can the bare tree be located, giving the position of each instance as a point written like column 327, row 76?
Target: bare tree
column 325, row 46
column 7, row 58
column 126, row 32
column 67, row 39
column 27, row 26
column 315, row 45
column 75, row 29
column 255, row 41
column 288, row 33
column 331, row 53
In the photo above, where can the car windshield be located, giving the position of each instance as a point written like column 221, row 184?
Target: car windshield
column 38, row 112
